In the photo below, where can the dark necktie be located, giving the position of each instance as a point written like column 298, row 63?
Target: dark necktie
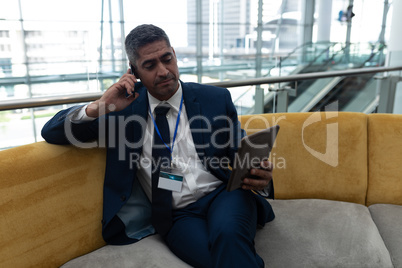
column 161, row 199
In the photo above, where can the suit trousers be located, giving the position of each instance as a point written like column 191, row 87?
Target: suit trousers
column 218, row 230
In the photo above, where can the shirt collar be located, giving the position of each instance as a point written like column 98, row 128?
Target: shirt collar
column 174, row 101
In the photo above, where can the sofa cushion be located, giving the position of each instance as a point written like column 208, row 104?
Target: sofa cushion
column 388, row 219
column 384, row 158
column 50, row 204
column 317, row 154
column 149, row 252
column 305, row 233
column 321, row 233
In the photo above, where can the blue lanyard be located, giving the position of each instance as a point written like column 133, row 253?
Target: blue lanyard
column 175, row 131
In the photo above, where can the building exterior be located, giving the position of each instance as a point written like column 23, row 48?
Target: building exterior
column 223, row 22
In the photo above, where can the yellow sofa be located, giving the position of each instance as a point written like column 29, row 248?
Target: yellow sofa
column 338, row 189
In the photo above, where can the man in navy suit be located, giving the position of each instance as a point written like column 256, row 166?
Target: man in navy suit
column 196, row 127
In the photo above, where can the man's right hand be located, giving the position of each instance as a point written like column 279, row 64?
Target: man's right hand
column 115, row 98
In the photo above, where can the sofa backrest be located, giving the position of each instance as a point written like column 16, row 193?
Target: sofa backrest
column 317, row 155
column 50, row 204
column 385, row 159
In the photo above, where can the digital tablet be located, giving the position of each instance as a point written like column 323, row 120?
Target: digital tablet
column 253, row 149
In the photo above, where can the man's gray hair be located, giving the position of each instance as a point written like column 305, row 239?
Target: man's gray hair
column 143, row 35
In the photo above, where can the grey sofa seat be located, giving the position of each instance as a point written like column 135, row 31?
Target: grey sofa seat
column 305, row 233
column 388, row 219
column 149, row 252
column 321, row 233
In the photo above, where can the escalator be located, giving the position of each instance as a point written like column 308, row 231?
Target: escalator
column 351, row 93
column 307, row 58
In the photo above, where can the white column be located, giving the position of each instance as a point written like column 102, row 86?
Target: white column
column 324, row 20
column 394, row 55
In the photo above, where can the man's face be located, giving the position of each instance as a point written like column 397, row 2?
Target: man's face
column 157, row 68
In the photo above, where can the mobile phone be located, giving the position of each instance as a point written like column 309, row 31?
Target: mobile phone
column 133, row 72
column 137, row 85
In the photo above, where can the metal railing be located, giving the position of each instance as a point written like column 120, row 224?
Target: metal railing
column 87, row 97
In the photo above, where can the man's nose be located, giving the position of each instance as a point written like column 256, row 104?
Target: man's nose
column 162, row 70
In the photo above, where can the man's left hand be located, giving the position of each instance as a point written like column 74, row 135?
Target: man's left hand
column 264, row 175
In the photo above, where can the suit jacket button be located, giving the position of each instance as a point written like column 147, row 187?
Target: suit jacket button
column 123, row 198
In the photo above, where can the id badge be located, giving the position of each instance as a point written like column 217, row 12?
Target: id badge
column 170, row 179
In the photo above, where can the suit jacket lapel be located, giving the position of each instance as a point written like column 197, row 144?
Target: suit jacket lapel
column 140, row 108
column 193, row 110
column 135, row 130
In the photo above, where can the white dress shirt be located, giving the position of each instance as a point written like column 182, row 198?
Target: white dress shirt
column 197, row 181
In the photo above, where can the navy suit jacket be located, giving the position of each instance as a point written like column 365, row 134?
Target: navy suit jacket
column 215, row 129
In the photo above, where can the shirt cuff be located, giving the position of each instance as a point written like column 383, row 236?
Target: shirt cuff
column 80, row 116
column 268, row 191
column 263, row 193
